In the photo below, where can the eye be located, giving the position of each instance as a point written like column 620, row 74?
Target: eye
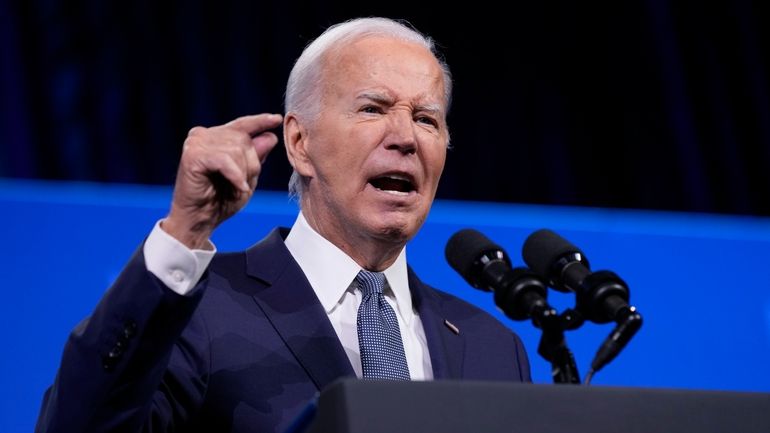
column 426, row 120
column 371, row 109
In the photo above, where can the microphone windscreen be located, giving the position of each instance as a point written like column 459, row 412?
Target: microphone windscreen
column 543, row 247
column 464, row 248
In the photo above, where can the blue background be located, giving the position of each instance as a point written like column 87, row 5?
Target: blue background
column 701, row 281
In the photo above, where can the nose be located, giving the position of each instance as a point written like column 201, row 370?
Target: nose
column 402, row 135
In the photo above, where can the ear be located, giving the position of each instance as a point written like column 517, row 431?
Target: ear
column 295, row 137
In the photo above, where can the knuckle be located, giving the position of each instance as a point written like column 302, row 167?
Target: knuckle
column 196, row 130
column 190, row 142
column 191, row 147
column 240, row 137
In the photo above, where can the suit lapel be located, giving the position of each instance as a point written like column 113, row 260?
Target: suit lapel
column 292, row 307
column 446, row 347
column 295, row 312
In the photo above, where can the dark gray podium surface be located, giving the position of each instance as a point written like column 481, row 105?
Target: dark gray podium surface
column 355, row 406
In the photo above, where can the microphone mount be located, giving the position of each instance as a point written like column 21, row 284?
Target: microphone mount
column 522, row 288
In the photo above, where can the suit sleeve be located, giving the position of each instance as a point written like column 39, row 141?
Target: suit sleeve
column 114, row 373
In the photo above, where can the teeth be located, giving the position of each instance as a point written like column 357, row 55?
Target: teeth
column 389, row 191
column 398, row 177
column 392, row 191
column 394, row 183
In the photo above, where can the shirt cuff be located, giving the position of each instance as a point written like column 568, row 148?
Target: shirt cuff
column 177, row 266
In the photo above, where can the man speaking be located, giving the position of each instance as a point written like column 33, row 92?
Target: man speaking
column 187, row 340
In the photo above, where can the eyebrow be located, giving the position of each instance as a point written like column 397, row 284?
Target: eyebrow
column 377, row 97
column 385, row 99
column 434, row 109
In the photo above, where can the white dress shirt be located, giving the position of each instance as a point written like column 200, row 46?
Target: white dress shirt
column 331, row 274
column 177, row 266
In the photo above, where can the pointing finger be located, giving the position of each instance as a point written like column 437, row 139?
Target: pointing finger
column 255, row 124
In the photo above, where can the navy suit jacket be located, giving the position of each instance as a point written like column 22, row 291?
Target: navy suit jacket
column 245, row 353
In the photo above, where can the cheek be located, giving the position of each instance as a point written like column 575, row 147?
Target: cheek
column 347, row 164
column 334, row 159
column 435, row 162
column 350, row 147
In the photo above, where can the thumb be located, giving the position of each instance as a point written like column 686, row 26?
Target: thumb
column 263, row 144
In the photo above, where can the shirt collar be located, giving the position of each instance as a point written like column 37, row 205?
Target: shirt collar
column 330, row 271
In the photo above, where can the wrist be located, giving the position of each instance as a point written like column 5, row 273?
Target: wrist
column 194, row 235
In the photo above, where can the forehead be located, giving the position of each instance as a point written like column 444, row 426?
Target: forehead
column 405, row 70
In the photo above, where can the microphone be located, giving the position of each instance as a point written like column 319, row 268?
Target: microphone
column 519, row 292
column 602, row 296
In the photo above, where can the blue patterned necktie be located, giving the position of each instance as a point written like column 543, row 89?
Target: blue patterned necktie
column 379, row 339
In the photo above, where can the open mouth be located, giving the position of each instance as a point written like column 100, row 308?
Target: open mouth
column 393, row 183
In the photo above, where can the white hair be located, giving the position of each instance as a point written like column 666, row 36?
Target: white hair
column 303, row 94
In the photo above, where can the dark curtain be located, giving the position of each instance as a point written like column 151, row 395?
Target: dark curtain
column 636, row 104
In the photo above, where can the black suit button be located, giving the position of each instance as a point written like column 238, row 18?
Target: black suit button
column 108, row 363
column 115, row 352
column 129, row 329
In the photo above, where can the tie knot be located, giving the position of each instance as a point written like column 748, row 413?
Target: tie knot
column 370, row 282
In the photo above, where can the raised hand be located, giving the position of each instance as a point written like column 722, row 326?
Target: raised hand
column 217, row 175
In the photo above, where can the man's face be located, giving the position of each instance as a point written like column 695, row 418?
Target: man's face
column 378, row 149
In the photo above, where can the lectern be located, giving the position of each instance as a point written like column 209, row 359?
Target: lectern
column 358, row 406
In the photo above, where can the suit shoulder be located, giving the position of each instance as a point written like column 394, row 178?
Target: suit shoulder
column 228, row 263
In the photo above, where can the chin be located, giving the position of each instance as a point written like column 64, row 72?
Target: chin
column 393, row 234
column 400, row 229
